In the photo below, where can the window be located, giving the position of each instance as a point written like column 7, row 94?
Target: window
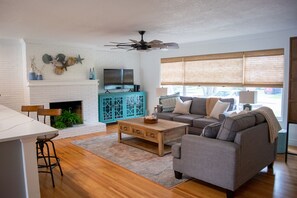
column 224, row 75
column 263, row 68
column 270, row 97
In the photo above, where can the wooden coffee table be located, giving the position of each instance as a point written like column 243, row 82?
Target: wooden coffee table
column 162, row 132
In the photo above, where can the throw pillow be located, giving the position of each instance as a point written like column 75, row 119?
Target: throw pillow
column 182, row 107
column 211, row 130
column 220, row 107
column 168, row 102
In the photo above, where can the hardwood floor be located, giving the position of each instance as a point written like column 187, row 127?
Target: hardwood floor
column 86, row 175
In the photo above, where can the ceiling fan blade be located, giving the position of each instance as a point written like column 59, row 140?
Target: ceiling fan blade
column 155, row 42
column 157, row 46
column 171, row 45
column 110, row 45
column 134, row 41
column 119, row 45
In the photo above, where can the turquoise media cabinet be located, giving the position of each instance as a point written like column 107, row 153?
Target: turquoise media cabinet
column 119, row 106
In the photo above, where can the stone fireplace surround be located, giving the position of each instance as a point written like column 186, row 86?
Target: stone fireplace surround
column 44, row 92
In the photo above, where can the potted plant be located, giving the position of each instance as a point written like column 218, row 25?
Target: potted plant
column 67, row 119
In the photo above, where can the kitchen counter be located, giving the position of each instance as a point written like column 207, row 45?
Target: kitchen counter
column 18, row 172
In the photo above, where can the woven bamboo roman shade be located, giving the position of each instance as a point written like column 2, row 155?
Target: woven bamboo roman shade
column 263, row 68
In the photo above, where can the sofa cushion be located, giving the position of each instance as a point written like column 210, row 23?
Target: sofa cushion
column 168, row 102
column 182, row 107
column 166, row 115
column 220, row 107
column 194, row 130
column 186, row 118
column 185, row 98
column 211, row 130
column 203, row 122
column 231, row 101
column 259, row 117
column 198, row 106
column 232, row 125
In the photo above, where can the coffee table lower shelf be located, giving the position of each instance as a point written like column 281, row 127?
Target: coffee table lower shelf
column 151, row 147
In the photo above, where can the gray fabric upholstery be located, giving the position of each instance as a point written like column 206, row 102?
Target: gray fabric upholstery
column 210, row 160
column 259, row 117
column 222, row 116
column 257, row 152
column 185, row 98
column 197, row 111
column 176, row 150
column 194, row 130
column 167, row 115
column 186, row 118
column 198, row 106
column 203, row 122
column 211, row 131
column 232, row 125
column 226, row 164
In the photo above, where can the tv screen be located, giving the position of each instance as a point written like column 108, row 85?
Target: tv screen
column 112, row 76
column 118, row 79
column 128, row 78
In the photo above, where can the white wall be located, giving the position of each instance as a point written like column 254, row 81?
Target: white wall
column 15, row 61
column 93, row 58
column 150, row 62
column 75, row 72
column 116, row 60
column 11, row 73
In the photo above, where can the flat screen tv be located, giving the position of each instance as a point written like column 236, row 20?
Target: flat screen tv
column 118, row 79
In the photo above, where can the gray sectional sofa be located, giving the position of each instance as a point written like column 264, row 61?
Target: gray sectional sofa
column 197, row 118
column 231, row 154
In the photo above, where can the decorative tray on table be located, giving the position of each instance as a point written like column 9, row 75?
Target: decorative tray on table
column 150, row 120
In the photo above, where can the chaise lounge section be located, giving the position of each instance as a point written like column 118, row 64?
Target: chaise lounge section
column 229, row 155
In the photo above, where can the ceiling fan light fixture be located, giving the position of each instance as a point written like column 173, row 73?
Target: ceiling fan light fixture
column 143, row 45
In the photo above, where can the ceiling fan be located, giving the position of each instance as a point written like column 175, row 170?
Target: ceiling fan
column 143, row 45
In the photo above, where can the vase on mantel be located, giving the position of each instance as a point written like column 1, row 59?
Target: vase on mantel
column 39, row 76
column 32, row 75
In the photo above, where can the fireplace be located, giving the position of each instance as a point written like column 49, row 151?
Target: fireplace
column 85, row 92
column 73, row 106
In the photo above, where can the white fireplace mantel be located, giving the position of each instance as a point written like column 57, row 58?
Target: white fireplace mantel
column 35, row 83
column 44, row 92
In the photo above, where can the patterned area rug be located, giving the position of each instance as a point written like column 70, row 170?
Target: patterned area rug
column 148, row 165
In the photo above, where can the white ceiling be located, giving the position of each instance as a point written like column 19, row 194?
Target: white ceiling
column 96, row 22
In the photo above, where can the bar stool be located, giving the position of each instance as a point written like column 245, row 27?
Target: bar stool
column 31, row 108
column 42, row 142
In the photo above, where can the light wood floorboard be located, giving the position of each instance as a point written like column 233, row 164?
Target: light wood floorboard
column 87, row 175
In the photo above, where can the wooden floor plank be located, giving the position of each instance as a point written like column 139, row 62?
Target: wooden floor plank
column 87, row 175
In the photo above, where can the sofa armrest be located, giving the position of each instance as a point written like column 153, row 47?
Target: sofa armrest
column 256, row 150
column 176, row 150
column 211, row 160
column 222, row 116
column 158, row 109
